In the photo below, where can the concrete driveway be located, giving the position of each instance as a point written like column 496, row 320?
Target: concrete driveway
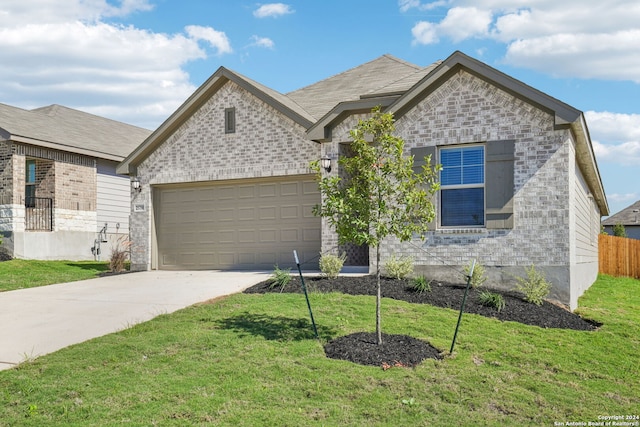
column 38, row 321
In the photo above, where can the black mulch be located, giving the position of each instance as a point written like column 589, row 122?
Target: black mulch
column 401, row 350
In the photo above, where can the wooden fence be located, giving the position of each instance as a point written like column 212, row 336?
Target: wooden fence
column 619, row 256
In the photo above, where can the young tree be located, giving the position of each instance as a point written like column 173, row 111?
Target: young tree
column 379, row 193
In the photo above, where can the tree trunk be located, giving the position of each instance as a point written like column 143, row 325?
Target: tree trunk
column 378, row 297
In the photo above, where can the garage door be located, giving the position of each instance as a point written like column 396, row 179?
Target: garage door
column 244, row 224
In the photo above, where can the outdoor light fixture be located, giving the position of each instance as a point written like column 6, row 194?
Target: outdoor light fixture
column 325, row 162
column 135, row 184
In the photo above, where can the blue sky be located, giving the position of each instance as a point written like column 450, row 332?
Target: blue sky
column 138, row 60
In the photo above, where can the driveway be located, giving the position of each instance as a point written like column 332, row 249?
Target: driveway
column 41, row 320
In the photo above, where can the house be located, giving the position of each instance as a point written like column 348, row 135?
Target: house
column 226, row 184
column 629, row 217
column 60, row 197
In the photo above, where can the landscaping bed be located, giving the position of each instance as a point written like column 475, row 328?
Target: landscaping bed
column 401, row 350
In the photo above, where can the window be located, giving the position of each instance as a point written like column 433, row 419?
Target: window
column 462, row 181
column 30, row 184
column 229, row 120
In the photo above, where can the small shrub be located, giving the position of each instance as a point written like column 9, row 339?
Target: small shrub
column 279, row 277
column 330, row 265
column 120, row 254
column 421, row 284
column 619, row 230
column 399, row 267
column 491, row 299
column 535, row 287
column 478, row 277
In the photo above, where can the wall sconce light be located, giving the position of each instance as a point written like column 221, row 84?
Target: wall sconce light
column 325, row 162
column 135, row 184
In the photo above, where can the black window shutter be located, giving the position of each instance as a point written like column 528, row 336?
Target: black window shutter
column 499, row 186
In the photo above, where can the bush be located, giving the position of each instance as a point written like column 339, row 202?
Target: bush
column 491, row 299
column 399, row 267
column 619, row 230
column 120, row 254
column 330, row 265
column 280, row 278
column 535, row 287
column 478, row 277
column 421, row 284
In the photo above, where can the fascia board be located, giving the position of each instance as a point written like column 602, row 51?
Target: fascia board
column 586, row 158
column 321, row 130
column 65, row 148
column 564, row 114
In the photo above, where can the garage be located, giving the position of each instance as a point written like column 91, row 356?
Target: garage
column 249, row 224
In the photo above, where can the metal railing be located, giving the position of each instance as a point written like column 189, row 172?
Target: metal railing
column 38, row 214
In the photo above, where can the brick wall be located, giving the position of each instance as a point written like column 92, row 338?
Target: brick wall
column 266, row 143
column 467, row 109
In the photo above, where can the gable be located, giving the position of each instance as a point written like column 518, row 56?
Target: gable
column 201, row 150
column 200, row 97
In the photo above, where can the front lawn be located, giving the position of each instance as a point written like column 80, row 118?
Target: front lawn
column 251, row 360
column 20, row 274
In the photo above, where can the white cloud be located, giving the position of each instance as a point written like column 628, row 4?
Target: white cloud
column 70, row 56
column 595, row 41
column 616, row 137
column 623, row 198
column 459, row 24
column 272, row 10
column 406, row 5
column 262, row 42
column 216, row 39
column 615, row 127
column 425, row 33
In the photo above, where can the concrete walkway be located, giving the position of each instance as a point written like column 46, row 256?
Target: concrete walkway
column 38, row 321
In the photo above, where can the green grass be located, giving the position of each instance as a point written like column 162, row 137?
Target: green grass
column 20, row 274
column 251, row 360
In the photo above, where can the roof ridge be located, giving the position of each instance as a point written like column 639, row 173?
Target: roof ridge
column 402, row 61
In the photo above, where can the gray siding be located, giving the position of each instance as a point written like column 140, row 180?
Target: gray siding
column 114, row 198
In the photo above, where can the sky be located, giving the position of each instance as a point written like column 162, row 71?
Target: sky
column 136, row 61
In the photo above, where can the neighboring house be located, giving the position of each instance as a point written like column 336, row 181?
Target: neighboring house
column 629, row 217
column 226, row 184
column 60, row 197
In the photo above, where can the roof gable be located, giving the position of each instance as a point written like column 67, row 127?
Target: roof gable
column 565, row 115
column 223, row 75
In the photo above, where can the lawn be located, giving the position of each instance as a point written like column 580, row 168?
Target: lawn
column 20, row 274
column 251, row 360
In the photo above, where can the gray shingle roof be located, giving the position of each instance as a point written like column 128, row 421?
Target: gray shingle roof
column 71, row 130
column 383, row 75
column 627, row 216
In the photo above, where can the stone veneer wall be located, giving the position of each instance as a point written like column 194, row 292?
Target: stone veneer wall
column 466, row 109
column 266, row 143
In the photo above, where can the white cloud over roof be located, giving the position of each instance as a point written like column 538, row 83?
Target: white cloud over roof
column 622, row 133
column 70, row 55
column 598, row 40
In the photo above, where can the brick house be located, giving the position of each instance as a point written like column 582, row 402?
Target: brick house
column 226, row 180
column 60, row 197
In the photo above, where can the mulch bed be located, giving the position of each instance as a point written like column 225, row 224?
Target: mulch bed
column 402, row 350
